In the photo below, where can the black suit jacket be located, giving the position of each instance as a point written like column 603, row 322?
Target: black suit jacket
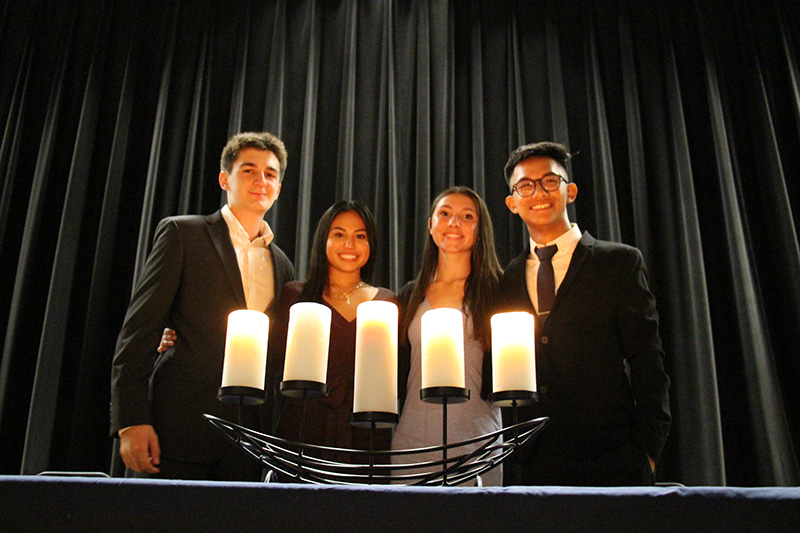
column 190, row 282
column 602, row 328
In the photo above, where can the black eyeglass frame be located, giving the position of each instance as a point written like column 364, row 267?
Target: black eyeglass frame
column 540, row 182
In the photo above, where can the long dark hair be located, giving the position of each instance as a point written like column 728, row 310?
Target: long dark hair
column 317, row 279
column 483, row 280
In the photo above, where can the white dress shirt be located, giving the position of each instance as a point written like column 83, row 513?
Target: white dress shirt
column 566, row 246
column 255, row 261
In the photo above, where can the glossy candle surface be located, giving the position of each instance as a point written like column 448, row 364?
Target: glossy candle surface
column 442, row 348
column 246, row 349
column 376, row 358
column 513, row 352
column 307, row 342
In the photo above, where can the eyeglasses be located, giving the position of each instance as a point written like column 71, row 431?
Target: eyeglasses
column 549, row 183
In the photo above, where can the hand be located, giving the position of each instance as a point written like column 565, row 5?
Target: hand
column 138, row 447
column 168, row 339
column 652, row 463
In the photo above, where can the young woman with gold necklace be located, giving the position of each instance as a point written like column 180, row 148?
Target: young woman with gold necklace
column 340, row 269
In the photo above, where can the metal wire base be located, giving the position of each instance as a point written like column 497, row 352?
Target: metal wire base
column 297, row 461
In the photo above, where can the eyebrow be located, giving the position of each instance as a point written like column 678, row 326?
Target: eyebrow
column 251, row 164
column 448, row 206
column 551, row 173
column 343, row 229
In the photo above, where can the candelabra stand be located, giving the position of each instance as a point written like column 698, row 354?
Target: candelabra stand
column 298, row 461
column 443, row 395
column 239, row 396
column 373, row 420
column 304, row 390
column 514, row 399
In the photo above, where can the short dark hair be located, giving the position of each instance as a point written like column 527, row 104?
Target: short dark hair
column 317, row 280
column 262, row 140
column 555, row 151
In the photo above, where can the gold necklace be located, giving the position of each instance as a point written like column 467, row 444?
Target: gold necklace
column 345, row 295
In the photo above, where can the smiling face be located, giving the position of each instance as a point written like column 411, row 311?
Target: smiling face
column 545, row 212
column 347, row 247
column 253, row 183
column 454, row 223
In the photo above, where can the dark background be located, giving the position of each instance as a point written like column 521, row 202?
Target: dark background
column 685, row 116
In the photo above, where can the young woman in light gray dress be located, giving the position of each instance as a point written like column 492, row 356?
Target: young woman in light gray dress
column 459, row 270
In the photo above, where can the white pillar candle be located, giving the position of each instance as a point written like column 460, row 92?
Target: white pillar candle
column 442, row 348
column 375, row 387
column 513, row 352
column 245, row 362
column 307, row 342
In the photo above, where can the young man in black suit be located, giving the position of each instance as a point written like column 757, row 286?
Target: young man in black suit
column 200, row 269
column 599, row 358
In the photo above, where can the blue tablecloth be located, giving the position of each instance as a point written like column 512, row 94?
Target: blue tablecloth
column 45, row 503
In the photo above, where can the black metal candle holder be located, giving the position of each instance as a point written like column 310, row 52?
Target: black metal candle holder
column 373, row 420
column 299, row 388
column 379, row 419
column 444, row 395
column 298, row 461
column 239, row 396
column 303, row 389
column 514, row 399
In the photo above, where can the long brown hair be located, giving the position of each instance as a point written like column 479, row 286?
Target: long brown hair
column 483, row 280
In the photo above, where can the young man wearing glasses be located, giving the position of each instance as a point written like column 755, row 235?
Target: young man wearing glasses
column 599, row 359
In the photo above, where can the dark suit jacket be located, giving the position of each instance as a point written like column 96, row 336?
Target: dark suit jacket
column 603, row 422
column 190, row 282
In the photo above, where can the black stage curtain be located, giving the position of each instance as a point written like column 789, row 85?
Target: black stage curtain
column 685, row 116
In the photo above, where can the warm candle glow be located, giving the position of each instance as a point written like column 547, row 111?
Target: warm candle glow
column 376, row 358
column 246, row 349
column 307, row 342
column 443, row 348
column 513, row 352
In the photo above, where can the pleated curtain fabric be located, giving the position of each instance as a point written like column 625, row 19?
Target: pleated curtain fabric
column 684, row 117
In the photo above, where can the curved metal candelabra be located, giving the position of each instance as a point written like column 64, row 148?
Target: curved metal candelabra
column 298, row 461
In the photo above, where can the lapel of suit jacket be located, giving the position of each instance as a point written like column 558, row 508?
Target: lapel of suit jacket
column 518, row 279
column 221, row 237
column 582, row 251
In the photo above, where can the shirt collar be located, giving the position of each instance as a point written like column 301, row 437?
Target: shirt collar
column 236, row 229
column 566, row 242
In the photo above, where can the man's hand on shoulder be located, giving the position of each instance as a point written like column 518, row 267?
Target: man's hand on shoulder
column 139, row 448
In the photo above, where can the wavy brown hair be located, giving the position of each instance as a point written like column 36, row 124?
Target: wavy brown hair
column 263, row 140
column 484, row 278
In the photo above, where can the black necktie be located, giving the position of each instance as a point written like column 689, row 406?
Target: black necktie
column 546, row 279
